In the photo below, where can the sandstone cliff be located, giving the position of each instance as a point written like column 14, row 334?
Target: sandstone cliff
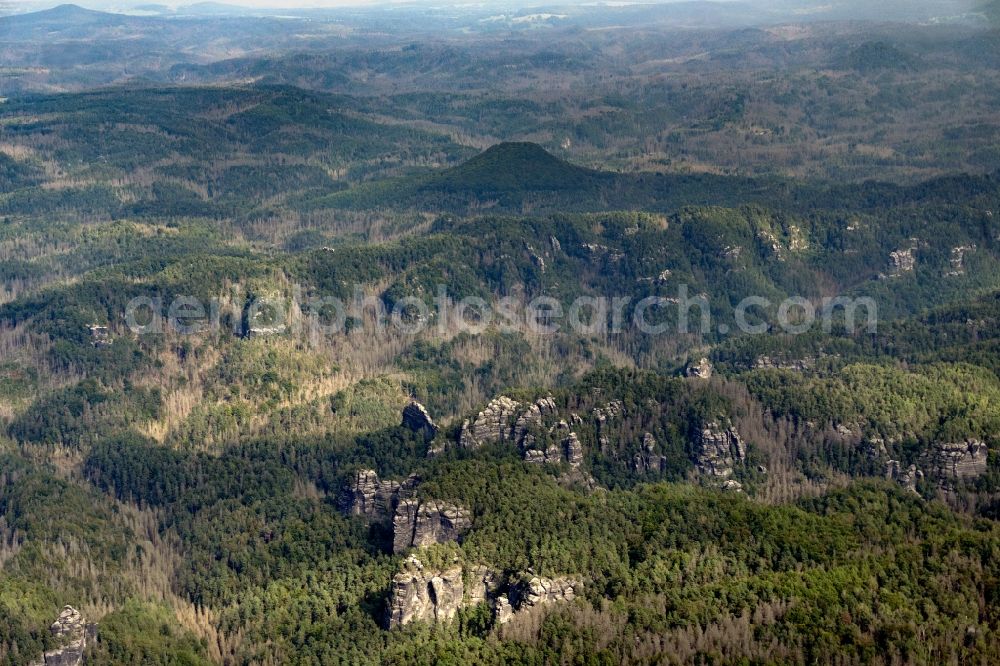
column 719, row 450
column 647, row 460
column 507, row 421
column 906, row 477
column 532, row 591
column 416, row 418
column 423, row 594
column 368, row 496
column 957, row 460
column 417, row 524
column 71, row 633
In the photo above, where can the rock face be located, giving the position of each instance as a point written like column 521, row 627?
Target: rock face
column 957, row 460
column 505, row 421
column 416, row 418
column 366, row 495
column 905, row 477
column 702, row 369
column 417, row 524
column 419, row 594
column 902, row 260
column 719, row 451
column 573, row 450
column 503, row 612
column 493, row 424
column 71, row 631
column 481, row 585
column 798, row 365
column 944, row 463
column 957, row 260
column 537, row 591
column 613, row 410
column 425, row 595
column 647, row 460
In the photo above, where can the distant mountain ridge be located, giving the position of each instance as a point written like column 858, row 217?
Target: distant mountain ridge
column 63, row 19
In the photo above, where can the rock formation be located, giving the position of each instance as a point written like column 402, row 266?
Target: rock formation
column 71, row 632
column 905, row 477
column 533, row 591
column 573, row 450
column 798, row 365
column 503, row 612
column 903, row 261
column 422, row 594
column 532, row 417
column 419, row 594
column 701, row 370
column 493, row 424
column 956, row 460
column 416, row 418
column 613, row 410
column 945, row 463
column 647, row 460
column 366, row 495
column 719, row 450
column 417, row 524
column 957, row 260
column 504, row 421
column 481, row 585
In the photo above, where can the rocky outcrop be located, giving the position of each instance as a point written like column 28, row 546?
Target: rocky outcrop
column 647, row 460
column 503, row 612
column 907, row 477
column 419, row 594
column 532, row 417
column 701, row 370
column 368, row 496
column 505, row 421
column 903, row 260
column 71, row 632
column 798, row 365
column 417, row 524
column 565, row 446
column 957, row 260
column 944, row 463
column 423, row 594
column 481, row 585
column 493, row 424
column 533, row 591
column 613, row 410
column 875, row 448
column 719, row 450
column 956, row 460
column 416, row 418
column 573, row 450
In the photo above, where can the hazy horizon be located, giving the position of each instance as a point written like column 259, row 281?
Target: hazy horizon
column 795, row 6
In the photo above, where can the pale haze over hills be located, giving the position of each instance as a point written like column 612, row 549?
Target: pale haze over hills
column 795, row 7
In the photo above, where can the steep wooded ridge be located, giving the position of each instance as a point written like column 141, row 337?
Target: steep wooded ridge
column 277, row 486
